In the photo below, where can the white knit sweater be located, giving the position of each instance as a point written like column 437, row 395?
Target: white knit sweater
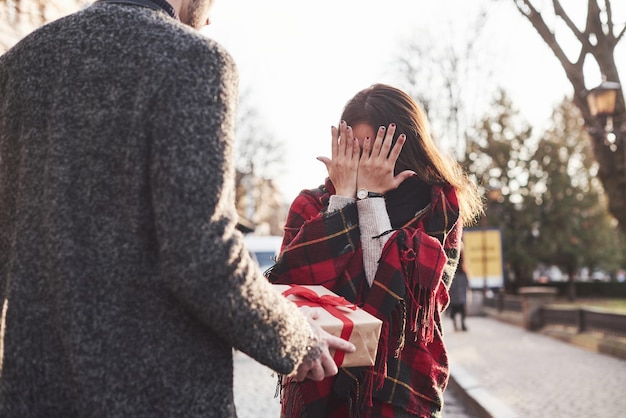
column 373, row 221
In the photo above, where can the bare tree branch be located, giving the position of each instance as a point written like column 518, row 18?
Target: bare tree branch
column 609, row 17
column 611, row 159
column 547, row 35
column 560, row 12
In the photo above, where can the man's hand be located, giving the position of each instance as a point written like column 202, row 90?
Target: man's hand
column 318, row 363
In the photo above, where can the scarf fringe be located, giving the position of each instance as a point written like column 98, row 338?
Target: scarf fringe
column 291, row 401
column 402, row 336
column 421, row 297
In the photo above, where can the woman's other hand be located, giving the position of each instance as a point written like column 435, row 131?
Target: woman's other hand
column 378, row 160
column 344, row 162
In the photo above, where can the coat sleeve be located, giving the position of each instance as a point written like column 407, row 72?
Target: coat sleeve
column 317, row 244
column 204, row 262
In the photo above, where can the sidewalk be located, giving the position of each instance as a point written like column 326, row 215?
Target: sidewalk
column 509, row 372
column 255, row 387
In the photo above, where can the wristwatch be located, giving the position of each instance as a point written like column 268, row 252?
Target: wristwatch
column 364, row 194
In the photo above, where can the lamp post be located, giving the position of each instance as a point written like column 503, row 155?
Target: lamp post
column 601, row 101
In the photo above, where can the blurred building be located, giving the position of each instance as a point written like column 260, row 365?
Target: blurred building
column 20, row 17
column 260, row 205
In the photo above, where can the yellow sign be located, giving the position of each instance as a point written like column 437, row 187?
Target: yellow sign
column 482, row 250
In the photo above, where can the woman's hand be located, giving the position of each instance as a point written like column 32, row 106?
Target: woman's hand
column 376, row 166
column 342, row 168
column 318, row 363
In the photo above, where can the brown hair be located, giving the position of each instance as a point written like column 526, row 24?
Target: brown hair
column 381, row 105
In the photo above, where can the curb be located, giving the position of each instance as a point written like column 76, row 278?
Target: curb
column 482, row 402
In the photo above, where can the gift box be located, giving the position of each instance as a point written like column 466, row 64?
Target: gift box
column 339, row 317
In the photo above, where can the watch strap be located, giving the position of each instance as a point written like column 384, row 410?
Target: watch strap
column 363, row 193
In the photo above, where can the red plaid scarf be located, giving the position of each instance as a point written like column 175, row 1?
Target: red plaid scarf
column 411, row 369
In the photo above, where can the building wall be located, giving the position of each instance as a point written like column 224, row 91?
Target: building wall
column 20, row 17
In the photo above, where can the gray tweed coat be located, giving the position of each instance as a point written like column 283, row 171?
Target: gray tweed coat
column 125, row 283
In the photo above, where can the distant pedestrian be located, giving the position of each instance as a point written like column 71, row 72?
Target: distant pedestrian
column 458, row 295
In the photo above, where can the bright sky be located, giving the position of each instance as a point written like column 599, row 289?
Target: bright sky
column 302, row 61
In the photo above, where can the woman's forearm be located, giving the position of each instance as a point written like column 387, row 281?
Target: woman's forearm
column 373, row 221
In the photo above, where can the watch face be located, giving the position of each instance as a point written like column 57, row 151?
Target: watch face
column 361, row 194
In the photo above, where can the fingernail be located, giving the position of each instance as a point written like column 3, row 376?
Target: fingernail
column 382, row 128
column 393, row 125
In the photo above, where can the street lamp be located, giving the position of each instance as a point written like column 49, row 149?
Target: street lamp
column 601, row 101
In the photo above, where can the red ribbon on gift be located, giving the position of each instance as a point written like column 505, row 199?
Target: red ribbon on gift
column 330, row 303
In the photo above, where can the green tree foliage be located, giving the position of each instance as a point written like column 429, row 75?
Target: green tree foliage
column 573, row 226
column 498, row 155
column 544, row 195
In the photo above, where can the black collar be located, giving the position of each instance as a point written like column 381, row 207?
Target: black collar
column 152, row 4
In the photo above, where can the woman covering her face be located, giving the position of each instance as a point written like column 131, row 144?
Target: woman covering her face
column 383, row 231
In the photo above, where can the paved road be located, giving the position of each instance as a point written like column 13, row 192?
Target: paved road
column 526, row 374
column 510, row 372
column 255, row 386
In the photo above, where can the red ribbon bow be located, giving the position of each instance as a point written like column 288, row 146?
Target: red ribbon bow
column 323, row 301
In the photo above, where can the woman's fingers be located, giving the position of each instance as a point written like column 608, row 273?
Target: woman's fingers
column 343, row 164
column 386, row 145
column 397, row 148
column 376, row 169
column 343, row 142
column 339, row 142
column 380, row 154
column 347, row 142
column 325, row 160
column 382, row 143
column 334, row 134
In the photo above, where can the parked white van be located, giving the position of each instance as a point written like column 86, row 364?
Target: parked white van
column 263, row 248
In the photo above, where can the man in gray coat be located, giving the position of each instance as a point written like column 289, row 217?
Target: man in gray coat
column 123, row 281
